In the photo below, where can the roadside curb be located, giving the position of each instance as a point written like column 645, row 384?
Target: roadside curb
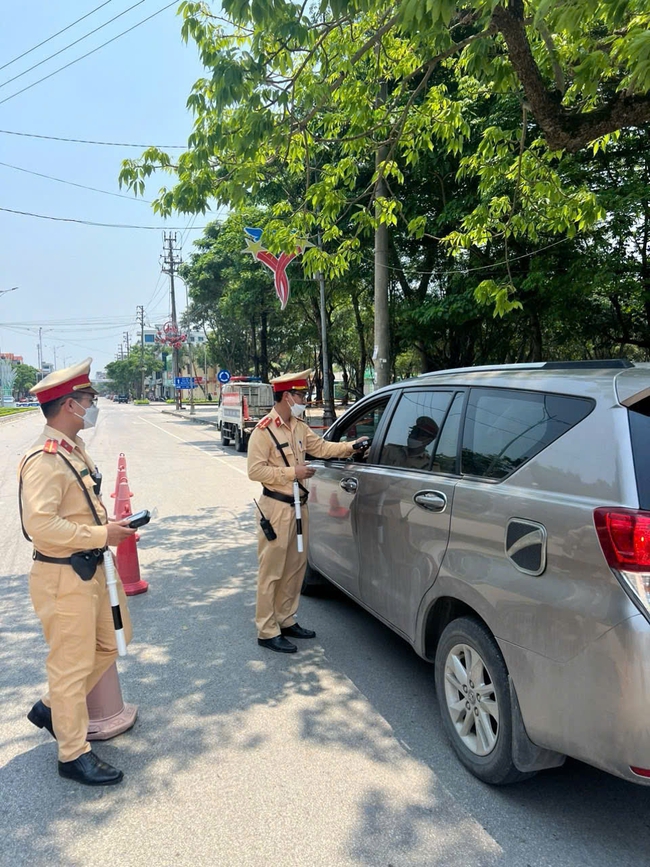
column 16, row 415
column 187, row 417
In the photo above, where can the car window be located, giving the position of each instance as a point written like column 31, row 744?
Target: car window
column 364, row 423
column 446, row 456
column 413, row 431
column 504, row 429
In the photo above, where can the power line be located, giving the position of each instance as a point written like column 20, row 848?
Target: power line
column 73, row 184
column 70, row 45
column 88, row 53
column 110, row 144
column 58, row 33
column 101, row 225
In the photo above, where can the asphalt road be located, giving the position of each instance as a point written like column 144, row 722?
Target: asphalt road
column 333, row 756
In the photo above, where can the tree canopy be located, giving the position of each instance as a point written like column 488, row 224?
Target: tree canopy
column 494, row 139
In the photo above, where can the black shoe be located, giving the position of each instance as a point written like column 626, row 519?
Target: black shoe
column 277, row 643
column 91, row 771
column 41, row 716
column 297, row 631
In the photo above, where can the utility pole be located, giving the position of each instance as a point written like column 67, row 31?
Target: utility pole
column 126, row 337
column 40, row 351
column 381, row 354
column 120, row 352
column 329, row 416
column 171, row 261
column 139, row 311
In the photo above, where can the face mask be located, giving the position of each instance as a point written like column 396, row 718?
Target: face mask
column 298, row 410
column 90, row 414
column 415, row 445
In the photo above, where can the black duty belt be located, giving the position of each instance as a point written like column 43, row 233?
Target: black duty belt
column 284, row 498
column 66, row 561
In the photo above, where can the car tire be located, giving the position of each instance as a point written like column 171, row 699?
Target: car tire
column 240, row 441
column 225, row 441
column 313, row 584
column 474, row 697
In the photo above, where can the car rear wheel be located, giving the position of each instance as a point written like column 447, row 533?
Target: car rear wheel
column 474, row 696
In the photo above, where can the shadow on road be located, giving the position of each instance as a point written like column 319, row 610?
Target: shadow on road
column 196, row 671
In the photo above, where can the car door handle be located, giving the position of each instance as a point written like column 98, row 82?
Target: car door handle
column 432, row 501
column 349, row 485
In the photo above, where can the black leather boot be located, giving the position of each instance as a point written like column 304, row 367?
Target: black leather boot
column 41, row 716
column 90, row 770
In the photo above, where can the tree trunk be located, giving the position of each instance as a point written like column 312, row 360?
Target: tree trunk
column 264, row 355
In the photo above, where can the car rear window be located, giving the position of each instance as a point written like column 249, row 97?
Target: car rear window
column 504, row 429
column 639, row 415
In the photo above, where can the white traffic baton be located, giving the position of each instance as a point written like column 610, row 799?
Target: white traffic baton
column 111, row 583
column 296, row 503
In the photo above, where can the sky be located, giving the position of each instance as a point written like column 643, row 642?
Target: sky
column 81, row 284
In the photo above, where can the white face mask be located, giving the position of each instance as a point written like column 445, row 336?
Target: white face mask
column 298, row 409
column 89, row 416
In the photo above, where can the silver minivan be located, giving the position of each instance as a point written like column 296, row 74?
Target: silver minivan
column 500, row 523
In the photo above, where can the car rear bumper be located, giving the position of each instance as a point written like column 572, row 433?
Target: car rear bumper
column 596, row 706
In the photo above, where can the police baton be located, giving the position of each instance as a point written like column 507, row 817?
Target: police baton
column 296, row 503
column 111, row 583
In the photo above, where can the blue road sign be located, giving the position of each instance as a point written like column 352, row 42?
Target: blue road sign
column 184, row 382
column 223, row 376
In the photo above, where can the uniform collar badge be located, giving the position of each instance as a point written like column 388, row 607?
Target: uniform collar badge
column 66, row 445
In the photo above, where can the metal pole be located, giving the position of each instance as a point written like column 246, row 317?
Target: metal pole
column 329, row 416
column 192, row 372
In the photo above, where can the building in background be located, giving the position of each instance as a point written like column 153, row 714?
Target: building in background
column 160, row 386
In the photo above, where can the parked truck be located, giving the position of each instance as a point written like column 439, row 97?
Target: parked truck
column 243, row 402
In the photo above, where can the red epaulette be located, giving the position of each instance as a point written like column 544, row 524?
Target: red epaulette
column 51, row 447
column 266, row 421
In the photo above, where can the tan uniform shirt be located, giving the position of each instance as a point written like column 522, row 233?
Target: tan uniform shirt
column 265, row 462
column 55, row 511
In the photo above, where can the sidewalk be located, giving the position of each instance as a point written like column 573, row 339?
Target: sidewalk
column 208, row 415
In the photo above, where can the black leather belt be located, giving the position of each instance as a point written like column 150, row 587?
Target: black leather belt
column 63, row 561
column 284, row 498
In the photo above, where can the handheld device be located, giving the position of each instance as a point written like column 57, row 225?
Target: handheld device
column 364, row 444
column 265, row 524
column 140, row 519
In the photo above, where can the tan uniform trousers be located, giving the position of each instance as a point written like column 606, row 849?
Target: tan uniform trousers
column 78, row 627
column 281, row 568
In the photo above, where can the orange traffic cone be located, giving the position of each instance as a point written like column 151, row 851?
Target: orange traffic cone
column 108, row 714
column 121, row 474
column 128, row 566
column 336, row 510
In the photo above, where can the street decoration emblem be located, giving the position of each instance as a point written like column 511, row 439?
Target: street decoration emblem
column 169, row 335
column 276, row 264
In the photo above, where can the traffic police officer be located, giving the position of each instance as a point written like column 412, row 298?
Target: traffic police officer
column 62, row 512
column 276, row 457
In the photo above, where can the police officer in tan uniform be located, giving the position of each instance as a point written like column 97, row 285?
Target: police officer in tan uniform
column 62, row 512
column 276, row 457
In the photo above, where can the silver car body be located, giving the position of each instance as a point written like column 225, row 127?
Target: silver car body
column 416, row 548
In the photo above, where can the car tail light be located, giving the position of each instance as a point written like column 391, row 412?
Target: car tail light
column 640, row 772
column 624, row 536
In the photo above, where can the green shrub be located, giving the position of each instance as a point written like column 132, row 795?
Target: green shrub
column 10, row 410
column 143, row 402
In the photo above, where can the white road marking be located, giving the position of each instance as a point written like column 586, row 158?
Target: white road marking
column 187, row 443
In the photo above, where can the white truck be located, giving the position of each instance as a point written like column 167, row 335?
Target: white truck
column 243, row 402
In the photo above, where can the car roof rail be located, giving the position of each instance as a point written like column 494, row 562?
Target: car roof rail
column 593, row 364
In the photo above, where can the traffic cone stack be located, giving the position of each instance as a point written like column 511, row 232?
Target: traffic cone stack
column 121, row 474
column 108, row 713
column 128, row 565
